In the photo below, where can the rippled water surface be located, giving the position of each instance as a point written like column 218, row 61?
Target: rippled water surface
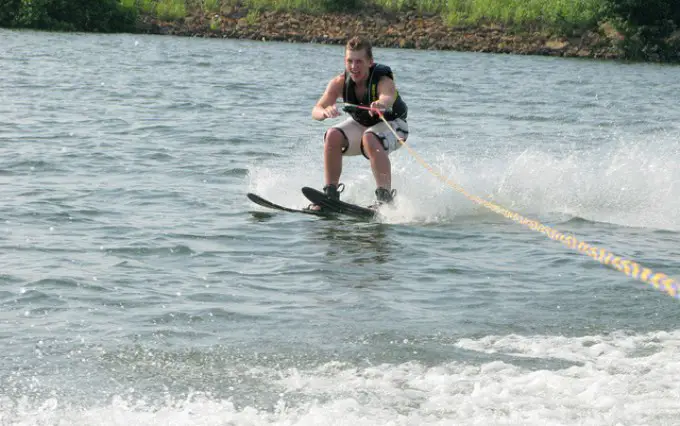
column 140, row 286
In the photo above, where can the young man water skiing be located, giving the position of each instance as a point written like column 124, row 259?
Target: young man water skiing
column 371, row 86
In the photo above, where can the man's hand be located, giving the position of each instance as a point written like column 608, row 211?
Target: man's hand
column 331, row 112
column 377, row 106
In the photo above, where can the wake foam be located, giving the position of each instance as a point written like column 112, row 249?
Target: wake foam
column 524, row 380
column 628, row 183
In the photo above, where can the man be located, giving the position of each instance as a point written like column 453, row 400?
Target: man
column 372, row 86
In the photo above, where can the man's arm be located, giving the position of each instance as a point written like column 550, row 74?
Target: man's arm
column 387, row 94
column 325, row 107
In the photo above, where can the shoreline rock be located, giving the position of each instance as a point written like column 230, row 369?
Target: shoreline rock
column 408, row 30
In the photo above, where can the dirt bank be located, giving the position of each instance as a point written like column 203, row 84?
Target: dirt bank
column 407, row 30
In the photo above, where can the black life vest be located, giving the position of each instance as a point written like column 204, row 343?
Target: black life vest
column 375, row 73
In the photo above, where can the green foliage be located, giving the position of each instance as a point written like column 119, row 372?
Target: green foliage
column 649, row 28
column 341, row 5
column 561, row 14
column 31, row 14
column 68, row 15
column 428, row 6
column 171, row 10
column 212, row 6
column 307, row 5
column 215, row 23
column 645, row 12
column 650, row 43
column 91, row 15
column 281, row 5
column 253, row 17
column 147, row 7
column 8, row 12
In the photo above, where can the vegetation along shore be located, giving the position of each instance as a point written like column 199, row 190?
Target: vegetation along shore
column 639, row 30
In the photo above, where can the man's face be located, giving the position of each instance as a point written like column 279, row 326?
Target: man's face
column 357, row 64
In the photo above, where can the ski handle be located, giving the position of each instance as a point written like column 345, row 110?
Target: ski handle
column 347, row 107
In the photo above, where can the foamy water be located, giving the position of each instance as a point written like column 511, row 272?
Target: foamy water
column 619, row 379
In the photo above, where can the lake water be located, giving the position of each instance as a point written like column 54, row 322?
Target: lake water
column 139, row 286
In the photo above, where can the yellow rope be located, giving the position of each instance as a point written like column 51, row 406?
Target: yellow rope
column 658, row 280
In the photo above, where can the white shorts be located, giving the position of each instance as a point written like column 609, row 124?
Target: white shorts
column 354, row 132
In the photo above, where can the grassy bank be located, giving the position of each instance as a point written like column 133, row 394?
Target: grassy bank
column 556, row 14
column 647, row 30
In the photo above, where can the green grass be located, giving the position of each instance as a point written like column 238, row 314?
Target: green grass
column 171, row 9
column 518, row 13
column 509, row 12
column 163, row 9
column 212, row 6
column 430, row 6
column 523, row 12
column 302, row 5
column 147, row 6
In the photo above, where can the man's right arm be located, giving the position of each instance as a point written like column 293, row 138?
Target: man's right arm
column 325, row 107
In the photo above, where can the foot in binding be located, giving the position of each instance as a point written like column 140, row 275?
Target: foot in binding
column 332, row 192
column 383, row 196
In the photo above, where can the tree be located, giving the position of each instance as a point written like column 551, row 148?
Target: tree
column 8, row 12
column 648, row 27
column 67, row 15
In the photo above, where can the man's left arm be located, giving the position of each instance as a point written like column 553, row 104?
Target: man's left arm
column 387, row 94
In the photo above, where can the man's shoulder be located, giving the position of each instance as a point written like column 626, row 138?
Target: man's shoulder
column 335, row 85
column 338, row 80
column 382, row 67
column 382, row 71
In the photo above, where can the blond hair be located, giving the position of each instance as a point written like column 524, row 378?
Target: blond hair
column 356, row 44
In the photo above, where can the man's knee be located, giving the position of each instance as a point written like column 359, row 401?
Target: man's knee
column 335, row 138
column 372, row 144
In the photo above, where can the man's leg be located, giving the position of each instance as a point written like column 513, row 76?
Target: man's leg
column 334, row 144
column 380, row 162
column 377, row 144
column 343, row 139
column 340, row 140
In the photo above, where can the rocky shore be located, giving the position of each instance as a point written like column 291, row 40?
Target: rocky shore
column 407, row 30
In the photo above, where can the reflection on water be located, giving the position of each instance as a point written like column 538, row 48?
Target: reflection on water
column 358, row 244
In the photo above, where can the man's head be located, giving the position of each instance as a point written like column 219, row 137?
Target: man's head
column 358, row 58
